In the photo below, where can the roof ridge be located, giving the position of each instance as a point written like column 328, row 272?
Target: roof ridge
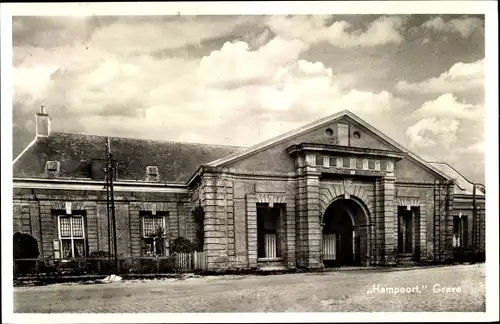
column 151, row 139
column 282, row 136
column 318, row 123
column 451, row 167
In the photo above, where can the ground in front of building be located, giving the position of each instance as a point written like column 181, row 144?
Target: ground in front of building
column 453, row 289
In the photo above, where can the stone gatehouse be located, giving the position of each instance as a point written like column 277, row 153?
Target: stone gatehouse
column 334, row 192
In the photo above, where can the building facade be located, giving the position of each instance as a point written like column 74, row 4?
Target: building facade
column 334, row 192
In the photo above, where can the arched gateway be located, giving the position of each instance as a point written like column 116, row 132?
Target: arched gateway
column 345, row 232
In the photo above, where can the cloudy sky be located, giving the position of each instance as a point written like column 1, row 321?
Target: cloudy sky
column 241, row 79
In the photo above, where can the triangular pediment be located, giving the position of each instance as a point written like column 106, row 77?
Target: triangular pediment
column 343, row 128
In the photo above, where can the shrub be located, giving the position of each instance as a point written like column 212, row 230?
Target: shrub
column 148, row 266
column 130, row 265
column 48, row 266
column 99, row 254
column 167, row 265
column 100, row 266
column 479, row 257
column 181, row 245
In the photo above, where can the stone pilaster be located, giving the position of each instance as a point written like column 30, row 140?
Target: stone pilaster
column 423, row 231
column 389, row 220
column 227, row 188
column 378, row 224
column 290, row 226
column 309, row 234
column 213, row 201
column 443, row 220
column 448, row 221
column 314, row 233
column 251, row 212
column 301, row 223
column 482, row 229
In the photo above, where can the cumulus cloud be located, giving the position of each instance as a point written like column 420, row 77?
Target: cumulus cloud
column 235, row 64
column 232, row 88
column 447, row 105
column 227, row 80
column 315, row 29
column 461, row 77
column 432, row 131
column 465, row 26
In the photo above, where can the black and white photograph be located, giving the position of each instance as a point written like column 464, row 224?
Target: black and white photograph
column 250, row 161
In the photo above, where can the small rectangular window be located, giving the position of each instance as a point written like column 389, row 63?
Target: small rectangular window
column 365, row 164
column 346, row 162
column 319, row 160
column 371, row 164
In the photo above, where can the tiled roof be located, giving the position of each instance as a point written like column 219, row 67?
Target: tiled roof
column 176, row 161
column 463, row 186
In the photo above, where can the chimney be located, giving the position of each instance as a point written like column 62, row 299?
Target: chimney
column 42, row 123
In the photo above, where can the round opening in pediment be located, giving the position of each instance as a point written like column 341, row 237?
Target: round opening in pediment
column 329, row 132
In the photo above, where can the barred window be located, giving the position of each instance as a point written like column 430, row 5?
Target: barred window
column 151, row 224
column 460, row 231
column 153, row 244
column 72, row 236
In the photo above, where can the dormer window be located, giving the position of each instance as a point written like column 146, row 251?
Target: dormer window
column 152, row 170
column 152, row 173
column 52, row 169
column 52, row 166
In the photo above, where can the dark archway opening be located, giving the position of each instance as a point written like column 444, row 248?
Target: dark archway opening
column 25, row 246
column 345, row 234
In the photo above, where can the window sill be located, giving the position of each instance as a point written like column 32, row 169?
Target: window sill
column 269, row 259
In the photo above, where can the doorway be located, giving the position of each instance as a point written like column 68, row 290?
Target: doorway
column 344, row 234
column 268, row 231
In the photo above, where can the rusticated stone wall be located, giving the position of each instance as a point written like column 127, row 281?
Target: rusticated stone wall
column 35, row 212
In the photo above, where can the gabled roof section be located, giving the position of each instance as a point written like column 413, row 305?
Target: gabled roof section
column 314, row 125
column 176, row 161
column 462, row 186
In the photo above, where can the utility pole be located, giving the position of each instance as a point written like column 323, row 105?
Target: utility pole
column 106, row 172
column 110, row 172
column 115, row 246
column 474, row 219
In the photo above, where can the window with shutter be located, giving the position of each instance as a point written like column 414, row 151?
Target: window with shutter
column 71, row 236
